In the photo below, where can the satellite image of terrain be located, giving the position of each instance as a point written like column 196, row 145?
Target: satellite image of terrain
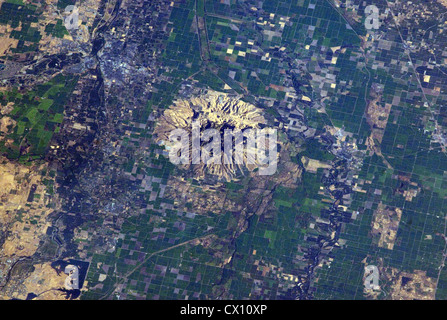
column 223, row 149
